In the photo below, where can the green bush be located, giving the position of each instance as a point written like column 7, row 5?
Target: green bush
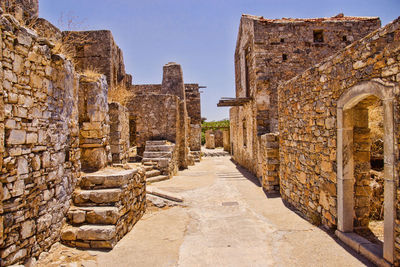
column 212, row 125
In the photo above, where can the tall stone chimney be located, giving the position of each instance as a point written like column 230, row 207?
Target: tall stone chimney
column 172, row 83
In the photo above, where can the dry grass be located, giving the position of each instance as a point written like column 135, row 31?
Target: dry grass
column 67, row 45
column 92, row 73
column 119, row 94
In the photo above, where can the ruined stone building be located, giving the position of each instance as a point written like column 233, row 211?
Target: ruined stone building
column 180, row 107
column 269, row 52
column 309, row 135
column 60, row 134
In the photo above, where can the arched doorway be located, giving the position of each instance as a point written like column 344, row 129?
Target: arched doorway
column 352, row 121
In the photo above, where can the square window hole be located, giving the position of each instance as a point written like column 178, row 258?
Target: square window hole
column 318, row 36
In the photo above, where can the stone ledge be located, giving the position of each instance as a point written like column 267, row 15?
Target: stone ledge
column 364, row 247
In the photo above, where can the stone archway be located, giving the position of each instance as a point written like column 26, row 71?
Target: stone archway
column 345, row 159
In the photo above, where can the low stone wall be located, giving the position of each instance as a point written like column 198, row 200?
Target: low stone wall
column 94, row 135
column 119, row 132
column 270, row 162
column 39, row 144
column 131, row 205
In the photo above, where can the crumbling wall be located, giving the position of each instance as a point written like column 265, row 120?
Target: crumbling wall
column 119, row 132
column 146, row 89
column 40, row 148
column 94, row 134
column 47, row 30
column 96, row 50
column 156, row 118
column 25, row 11
column 308, row 120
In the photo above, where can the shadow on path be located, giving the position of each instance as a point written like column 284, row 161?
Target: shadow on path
column 331, row 232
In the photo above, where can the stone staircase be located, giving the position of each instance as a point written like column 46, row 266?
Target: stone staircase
column 160, row 155
column 106, row 205
column 153, row 174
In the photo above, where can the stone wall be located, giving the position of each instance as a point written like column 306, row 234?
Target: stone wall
column 160, row 112
column 39, row 146
column 24, row 11
column 194, row 112
column 96, row 50
column 244, row 138
column 192, row 96
column 119, row 132
column 270, row 51
column 156, row 118
column 146, row 89
column 308, row 126
column 269, row 147
column 94, row 134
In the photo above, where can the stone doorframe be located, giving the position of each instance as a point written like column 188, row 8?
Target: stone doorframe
column 345, row 169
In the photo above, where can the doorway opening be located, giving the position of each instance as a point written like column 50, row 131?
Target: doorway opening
column 365, row 158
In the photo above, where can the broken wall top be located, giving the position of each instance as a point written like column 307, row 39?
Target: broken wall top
column 23, row 10
column 97, row 51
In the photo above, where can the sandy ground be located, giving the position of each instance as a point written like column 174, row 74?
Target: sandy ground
column 227, row 220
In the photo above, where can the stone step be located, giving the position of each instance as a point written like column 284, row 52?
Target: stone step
column 156, row 143
column 157, row 179
column 148, row 167
column 90, row 236
column 162, row 154
column 164, row 194
column 109, row 178
column 93, row 215
column 159, row 148
column 155, row 160
column 97, row 197
column 152, row 173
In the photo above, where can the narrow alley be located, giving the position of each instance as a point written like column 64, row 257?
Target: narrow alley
column 225, row 220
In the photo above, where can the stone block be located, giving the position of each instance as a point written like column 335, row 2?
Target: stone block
column 93, row 159
column 16, row 137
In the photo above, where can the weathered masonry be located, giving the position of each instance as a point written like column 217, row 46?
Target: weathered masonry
column 325, row 146
column 179, row 103
column 328, row 138
column 269, row 52
column 60, row 135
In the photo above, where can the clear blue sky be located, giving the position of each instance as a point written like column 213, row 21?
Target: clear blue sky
column 198, row 34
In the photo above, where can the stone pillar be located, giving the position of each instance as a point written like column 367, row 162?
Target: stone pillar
column 173, row 84
column 210, row 140
column 119, row 132
column 270, row 162
column 227, row 141
column 94, row 132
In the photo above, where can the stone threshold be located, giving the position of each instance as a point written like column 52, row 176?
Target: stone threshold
column 371, row 251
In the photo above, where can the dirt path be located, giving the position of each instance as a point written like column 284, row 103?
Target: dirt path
column 227, row 221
